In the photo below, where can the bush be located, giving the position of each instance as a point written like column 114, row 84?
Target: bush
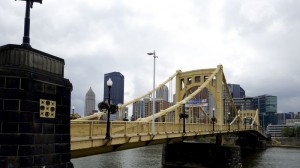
column 288, row 132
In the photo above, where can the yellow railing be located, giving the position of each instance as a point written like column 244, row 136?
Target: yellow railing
column 90, row 128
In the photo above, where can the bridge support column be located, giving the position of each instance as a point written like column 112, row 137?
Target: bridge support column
column 247, row 143
column 220, row 139
column 34, row 109
column 187, row 154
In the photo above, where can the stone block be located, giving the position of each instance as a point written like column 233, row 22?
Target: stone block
column 10, row 127
column 26, row 161
column 48, row 128
column 28, row 139
column 9, row 150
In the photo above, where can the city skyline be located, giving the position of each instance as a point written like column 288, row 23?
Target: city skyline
column 196, row 114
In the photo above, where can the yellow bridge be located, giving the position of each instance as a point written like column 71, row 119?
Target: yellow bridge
column 88, row 133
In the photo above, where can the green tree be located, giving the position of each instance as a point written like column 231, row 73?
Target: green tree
column 297, row 132
column 288, row 132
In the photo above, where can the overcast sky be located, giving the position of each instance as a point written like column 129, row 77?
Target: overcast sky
column 256, row 41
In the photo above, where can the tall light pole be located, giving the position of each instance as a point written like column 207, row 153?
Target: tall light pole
column 109, row 84
column 183, row 116
column 245, row 122
column 213, row 119
column 153, row 99
column 228, row 121
column 73, row 108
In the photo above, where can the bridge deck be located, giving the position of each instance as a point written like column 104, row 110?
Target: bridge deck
column 88, row 137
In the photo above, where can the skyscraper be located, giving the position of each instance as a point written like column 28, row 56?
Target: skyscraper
column 267, row 105
column 236, row 91
column 138, row 109
column 89, row 102
column 163, row 93
column 117, row 89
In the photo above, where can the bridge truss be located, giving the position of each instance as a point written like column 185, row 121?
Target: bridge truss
column 203, row 94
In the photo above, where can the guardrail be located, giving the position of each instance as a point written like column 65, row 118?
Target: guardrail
column 92, row 128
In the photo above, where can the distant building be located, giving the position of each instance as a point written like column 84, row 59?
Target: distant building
column 90, row 102
column 117, row 89
column 297, row 115
column 143, row 108
column 159, row 105
column 292, row 121
column 276, row 130
column 290, row 115
column 138, row 109
column 245, row 103
column 236, row 91
column 283, row 117
column 267, row 105
column 162, row 93
column 238, row 95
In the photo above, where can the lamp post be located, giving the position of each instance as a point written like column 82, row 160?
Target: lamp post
column 153, row 99
column 183, row 116
column 125, row 116
column 245, row 122
column 73, row 108
column 109, row 84
column 213, row 119
column 228, row 120
column 183, row 111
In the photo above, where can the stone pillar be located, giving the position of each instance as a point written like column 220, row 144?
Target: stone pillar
column 35, row 103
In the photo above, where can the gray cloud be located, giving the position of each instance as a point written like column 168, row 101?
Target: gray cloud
column 256, row 41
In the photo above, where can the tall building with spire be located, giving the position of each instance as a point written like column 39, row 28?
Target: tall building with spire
column 90, row 102
column 163, row 93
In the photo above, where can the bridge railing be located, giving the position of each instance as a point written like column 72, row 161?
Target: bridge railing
column 92, row 128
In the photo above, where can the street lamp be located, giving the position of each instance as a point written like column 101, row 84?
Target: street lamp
column 153, row 99
column 73, row 108
column 183, row 116
column 228, row 120
column 125, row 116
column 245, row 122
column 213, row 119
column 109, row 84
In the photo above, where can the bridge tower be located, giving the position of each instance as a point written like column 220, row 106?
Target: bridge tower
column 212, row 79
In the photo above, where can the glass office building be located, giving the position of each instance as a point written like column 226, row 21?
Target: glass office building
column 236, row 91
column 267, row 105
column 117, row 89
